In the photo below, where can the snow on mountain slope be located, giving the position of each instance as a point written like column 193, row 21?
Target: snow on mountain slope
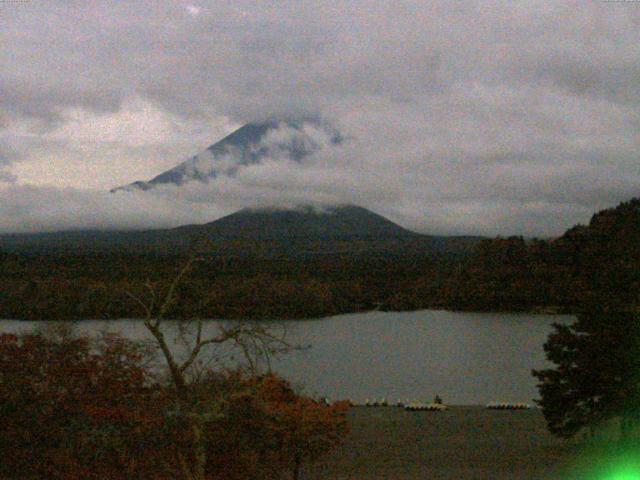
column 252, row 143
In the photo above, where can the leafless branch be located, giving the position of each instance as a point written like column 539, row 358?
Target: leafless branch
column 137, row 299
column 255, row 341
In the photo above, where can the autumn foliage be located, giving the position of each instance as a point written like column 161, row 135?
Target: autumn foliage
column 285, row 430
column 74, row 408
column 71, row 408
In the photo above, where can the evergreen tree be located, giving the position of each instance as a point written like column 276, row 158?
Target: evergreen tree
column 597, row 373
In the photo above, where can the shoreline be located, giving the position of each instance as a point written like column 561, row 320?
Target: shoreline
column 535, row 311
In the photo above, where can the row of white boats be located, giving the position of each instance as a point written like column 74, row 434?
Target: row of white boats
column 407, row 405
column 439, row 407
column 508, row 406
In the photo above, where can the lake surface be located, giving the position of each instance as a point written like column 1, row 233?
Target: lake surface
column 466, row 358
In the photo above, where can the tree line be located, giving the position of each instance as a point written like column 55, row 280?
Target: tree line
column 598, row 261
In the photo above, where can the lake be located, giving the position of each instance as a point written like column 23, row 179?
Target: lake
column 466, row 358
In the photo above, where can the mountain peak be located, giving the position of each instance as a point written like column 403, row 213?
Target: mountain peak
column 250, row 144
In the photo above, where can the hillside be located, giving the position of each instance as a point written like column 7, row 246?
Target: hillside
column 347, row 222
column 304, row 231
column 598, row 263
column 274, row 264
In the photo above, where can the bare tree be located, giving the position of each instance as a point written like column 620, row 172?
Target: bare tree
column 254, row 340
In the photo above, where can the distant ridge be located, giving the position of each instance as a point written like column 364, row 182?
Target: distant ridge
column 314, row 262
column 343, row 222
column 306, row 230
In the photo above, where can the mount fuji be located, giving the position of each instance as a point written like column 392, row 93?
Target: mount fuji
column 305, row 229
column 251, row 144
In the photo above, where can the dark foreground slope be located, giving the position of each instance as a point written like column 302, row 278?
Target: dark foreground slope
column 464, row 443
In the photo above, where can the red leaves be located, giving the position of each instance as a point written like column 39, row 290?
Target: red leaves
column 60, row 395
column 7, row 339
column 288, row 428
column 72, row 408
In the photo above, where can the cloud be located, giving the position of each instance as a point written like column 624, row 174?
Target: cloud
column 7, row 177
column 487, row 117
column 5, row 161
column 193, row 10
column 385, row 166
column 97, row 150
column 34, row 209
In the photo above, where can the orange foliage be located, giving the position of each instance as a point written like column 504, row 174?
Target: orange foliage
column 72, row 408
column 285, row 429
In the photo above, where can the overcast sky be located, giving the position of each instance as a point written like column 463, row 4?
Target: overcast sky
column 459, row 117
